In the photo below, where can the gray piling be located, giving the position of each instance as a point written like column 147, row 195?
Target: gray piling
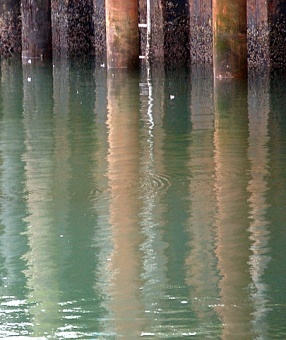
column 36, row 29
column 10, row 28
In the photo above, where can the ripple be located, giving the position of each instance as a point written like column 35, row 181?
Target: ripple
column 155, row 182
column 96, row 193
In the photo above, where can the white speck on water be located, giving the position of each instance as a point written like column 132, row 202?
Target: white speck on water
column 29, row 79
column 147, row 334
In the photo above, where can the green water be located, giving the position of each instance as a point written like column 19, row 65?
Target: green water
column 141, row 205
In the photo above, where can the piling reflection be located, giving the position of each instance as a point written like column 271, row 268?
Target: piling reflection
column 258, row 155
column 124, row 210
column 12, row 201
column 79, row 260
column 176, row 308
column 201, row 262
column 43, row 238
column 152, row 187
column 12, row 188
column 62, row 147
column 61, row 176
column 144, row 204
column 275, row 276
column 103, row 232
column 233, row 246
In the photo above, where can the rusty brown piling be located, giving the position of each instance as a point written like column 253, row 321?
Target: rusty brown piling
column 36, row 29
column 122, row 36
column 10, row 28
column 230, row 38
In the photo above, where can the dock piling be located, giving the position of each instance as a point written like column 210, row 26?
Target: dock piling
column 122, row 35
column 36, row 29
column 10, row 28
column 230, row 38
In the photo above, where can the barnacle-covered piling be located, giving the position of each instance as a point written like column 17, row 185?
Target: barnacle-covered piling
column 258, row 31
column 73, row 30
column 201, row 35
column 10, row 28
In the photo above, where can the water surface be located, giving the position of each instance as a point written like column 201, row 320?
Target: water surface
column 144, row 204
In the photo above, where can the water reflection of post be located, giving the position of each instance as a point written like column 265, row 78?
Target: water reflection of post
column 103, row 234
column 275, row 277
column 62, row 153
column 152, row 187
column 43, row 240
column 175, row 309
column 61, row 98
column 80, row 258
column 123, row 173
column 233, row 243
column 258, row 153
column 12, row 188
column 201, row 263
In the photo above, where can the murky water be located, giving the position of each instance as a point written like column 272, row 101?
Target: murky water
column 141, row 205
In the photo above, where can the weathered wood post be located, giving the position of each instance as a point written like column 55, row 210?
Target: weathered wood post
column 72, row 28
column 201, row 35
column 99, row 31
column 151, row 30
column 230, row 38
column 122, row 36
column 176, row 32
column 10, row 28
column 60, row 17
column 277, row 35
column 258, row 41
column 36, row 29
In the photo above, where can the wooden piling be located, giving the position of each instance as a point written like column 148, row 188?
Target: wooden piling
column 99, row 23
column 36, row 29
column 258, row 42
column 230, row 38
column 176, row 32
column 151, row 30
column 122, row 36
column 10, row 28
column 277, row 35
column 60, row 16
column 80, row 28
column 201, row 35
column 72, row 28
